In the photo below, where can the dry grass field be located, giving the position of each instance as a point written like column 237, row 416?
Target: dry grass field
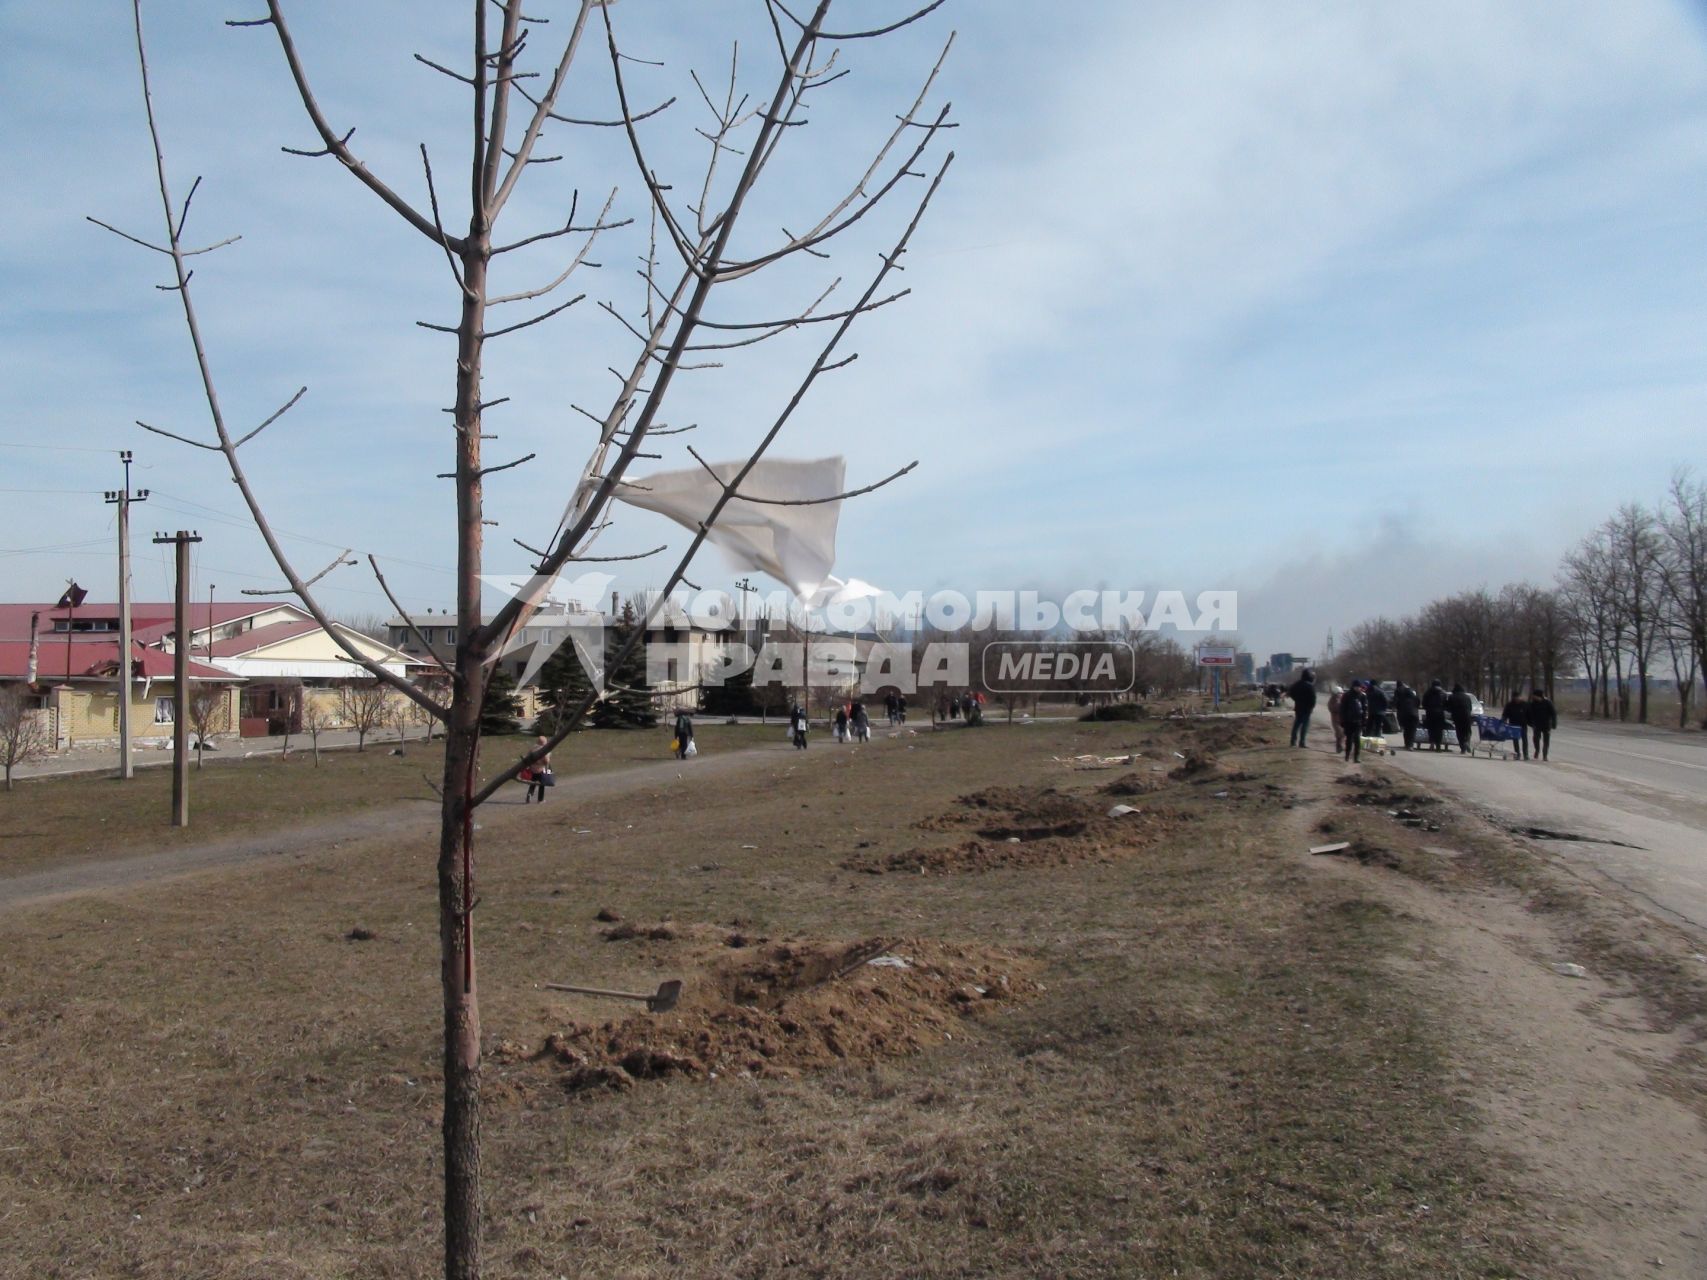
column 1164, row 1044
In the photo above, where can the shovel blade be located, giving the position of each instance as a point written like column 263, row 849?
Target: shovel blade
column 667, row 995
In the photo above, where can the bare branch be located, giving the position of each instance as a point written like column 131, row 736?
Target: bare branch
column 227, row 445
column 800, row 502
column 442, row 712
column 272, row 417
column 185, row 253
column 444, row 71
column 542, row 110
column 575, row 262
column 338, row 562
column 544, row 315
column 482, row 472
column 338, row 147
column 861, row 35
column 438, row 222
column 173, row 435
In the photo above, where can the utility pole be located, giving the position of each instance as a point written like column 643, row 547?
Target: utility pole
column 181, row 677
column 124, row 497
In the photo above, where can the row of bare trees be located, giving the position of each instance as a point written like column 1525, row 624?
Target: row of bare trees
column 1495, row 643
column 1634, row 593
column 1630, row 605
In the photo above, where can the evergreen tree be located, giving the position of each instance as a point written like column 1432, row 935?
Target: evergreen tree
column 628, row 698
column 563, row 686
column 502, row 707
column 734, row 697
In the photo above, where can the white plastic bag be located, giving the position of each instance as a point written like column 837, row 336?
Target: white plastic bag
column 692, row 749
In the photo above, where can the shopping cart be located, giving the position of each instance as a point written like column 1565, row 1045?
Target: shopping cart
column 1497, row 735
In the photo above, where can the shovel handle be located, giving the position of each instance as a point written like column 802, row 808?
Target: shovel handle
column 596, row 991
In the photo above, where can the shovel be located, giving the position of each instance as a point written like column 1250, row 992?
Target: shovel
column 661, row 1001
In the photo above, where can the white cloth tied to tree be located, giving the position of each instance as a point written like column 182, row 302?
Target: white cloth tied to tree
column 796, row 545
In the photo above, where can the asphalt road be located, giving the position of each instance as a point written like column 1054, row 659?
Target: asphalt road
column 1634, row 798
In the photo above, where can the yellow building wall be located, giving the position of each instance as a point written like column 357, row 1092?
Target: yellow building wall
column 92, row 715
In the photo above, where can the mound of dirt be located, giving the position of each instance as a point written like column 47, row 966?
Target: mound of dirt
column 1217, row 735
column 1197, row 764
column 1020, row 827
column 779, row 1008
column 1132, row 784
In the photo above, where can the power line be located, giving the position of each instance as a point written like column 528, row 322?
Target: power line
column 58, row 448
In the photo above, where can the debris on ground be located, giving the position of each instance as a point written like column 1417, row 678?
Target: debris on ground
column 1021, row 826
column 1570, row 971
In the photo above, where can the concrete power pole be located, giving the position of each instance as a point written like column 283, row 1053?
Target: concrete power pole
column 124, row 497
column 181, row 678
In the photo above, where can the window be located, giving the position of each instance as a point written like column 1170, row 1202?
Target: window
column 162, row 711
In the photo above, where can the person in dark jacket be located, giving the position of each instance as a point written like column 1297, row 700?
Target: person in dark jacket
column 1459, row 704
column 1434, row 715
column 1516, row 714
column 1303, row 695
column 1377, row 707
column 797, row 726
column 1354, row 712
column 1407, row 705
column 1542, row 718
column 684, row 734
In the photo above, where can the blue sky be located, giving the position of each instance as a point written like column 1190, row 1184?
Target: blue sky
column 1339, row 305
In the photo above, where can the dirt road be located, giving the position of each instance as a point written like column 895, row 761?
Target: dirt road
column 1634, row 801
column 414, row 818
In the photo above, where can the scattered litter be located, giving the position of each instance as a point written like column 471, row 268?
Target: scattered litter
column 583, row 831
column 889, row 962
column 1570, row 971
column 1121, row 810
column 749, row 846
column 1179, row 755
column 1094, row 761
column 1219, row 795
column 359, row 934
column 1339, row 846
column 1013, row 839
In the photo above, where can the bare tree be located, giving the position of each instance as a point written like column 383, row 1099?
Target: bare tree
column 289, row 693
column 208, row 714
column 317, row 717
column 400, row 714
column 690, row 254
column 1683, row 568
column 23, row 731
column 366, row 705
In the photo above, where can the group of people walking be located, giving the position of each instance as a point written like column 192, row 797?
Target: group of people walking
column 1361, row 709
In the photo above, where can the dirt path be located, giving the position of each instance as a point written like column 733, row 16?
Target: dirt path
column 413, row 818
column 1574, row 1078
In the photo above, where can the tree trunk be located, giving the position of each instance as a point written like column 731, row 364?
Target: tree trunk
column 461, row 1127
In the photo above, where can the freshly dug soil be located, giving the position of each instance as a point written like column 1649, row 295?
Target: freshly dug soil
column 1020, row 827
column 782, row 1007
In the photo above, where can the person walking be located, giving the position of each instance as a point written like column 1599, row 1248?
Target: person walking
column 900, row 708
column 1303, row 695
column 1407, row 706
column 1354, row 711
column 1434, row 715
column 538, row 776
column 797, row 726
column 1336, row 699
column 1516, row 714
column 842, row 723
column 1459, row 704
column 1542, row 717
column 684, row 733
column 1377, row 708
